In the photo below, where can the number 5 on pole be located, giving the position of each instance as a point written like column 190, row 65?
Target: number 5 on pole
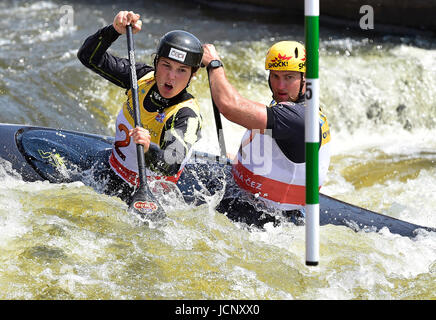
column 308, row 90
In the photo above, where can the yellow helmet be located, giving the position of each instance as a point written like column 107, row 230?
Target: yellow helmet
column 286, row 56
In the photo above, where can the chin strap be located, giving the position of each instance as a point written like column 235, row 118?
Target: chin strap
column 300, row 92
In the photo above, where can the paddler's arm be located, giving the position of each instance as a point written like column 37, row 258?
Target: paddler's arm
column 93, row 54
column 233, row 106
column 181, row 132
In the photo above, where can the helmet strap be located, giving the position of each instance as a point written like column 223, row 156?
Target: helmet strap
column 300, row 92
column 156, row 57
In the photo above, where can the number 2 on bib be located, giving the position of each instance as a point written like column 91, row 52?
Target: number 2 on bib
column 122, row 143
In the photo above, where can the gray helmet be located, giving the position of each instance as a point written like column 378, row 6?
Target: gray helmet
column 181, row 46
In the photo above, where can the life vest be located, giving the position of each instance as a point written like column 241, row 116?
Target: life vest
column 123, row 159
column 263, row 169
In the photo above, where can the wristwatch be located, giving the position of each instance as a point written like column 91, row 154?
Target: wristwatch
column 214, row 64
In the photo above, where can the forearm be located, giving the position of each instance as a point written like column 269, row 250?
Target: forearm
column 94, row 47
column 93, row 54
column 223, row 93
column 232, row 105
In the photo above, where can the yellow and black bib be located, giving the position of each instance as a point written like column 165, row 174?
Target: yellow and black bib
column 124, row 159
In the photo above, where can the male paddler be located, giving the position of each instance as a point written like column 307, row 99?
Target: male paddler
column 269, row 171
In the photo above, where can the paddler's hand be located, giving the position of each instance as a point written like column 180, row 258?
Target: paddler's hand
column 209, row 54
column 124, row 18
column 141, row 136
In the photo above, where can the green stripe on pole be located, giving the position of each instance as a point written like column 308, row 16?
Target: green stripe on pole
column 312, row 191
column 312, row 148
column 312, row 46
column 311, row 13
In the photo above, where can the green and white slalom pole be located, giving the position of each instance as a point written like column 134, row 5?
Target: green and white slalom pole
column 311, row 13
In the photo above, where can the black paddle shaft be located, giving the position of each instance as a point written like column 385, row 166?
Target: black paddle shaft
column 143, row 201
column 137, row 115
column 218, row 124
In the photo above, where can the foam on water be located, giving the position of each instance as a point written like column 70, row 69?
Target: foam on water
column 83, row 245
column 383, row 158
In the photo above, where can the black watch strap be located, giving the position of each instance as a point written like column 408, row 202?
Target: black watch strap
column 214, row 64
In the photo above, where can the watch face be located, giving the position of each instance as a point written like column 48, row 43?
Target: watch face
column 215, row 64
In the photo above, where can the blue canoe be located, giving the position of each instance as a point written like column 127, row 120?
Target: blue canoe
column 36, row 153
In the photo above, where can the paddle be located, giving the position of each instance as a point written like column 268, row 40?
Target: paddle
column 143, row 202
column 218, row 124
